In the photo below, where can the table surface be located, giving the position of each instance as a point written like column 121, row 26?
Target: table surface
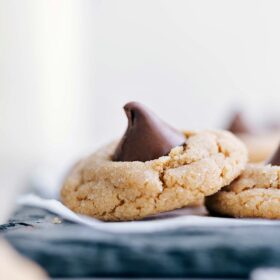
column 66, row 249
column 146, row 278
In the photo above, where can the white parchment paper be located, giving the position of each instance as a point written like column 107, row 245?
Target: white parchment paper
column 188, row 217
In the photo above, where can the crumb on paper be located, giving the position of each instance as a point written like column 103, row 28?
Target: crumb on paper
column 56, row 220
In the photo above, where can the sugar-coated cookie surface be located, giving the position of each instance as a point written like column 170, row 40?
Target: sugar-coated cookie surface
column 108, row 190
column 256, row 193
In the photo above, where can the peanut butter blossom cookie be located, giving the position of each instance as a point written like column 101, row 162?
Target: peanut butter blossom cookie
column 152, row 169
column 256, row 193
column 260, row 144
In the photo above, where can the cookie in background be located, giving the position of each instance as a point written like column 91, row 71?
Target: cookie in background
column 261, row 142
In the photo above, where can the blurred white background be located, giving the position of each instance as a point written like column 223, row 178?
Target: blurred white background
column 67, row 67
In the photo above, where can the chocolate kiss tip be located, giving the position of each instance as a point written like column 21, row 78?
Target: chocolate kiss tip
column 275, row 159
column 238, row 124
column 147, row 137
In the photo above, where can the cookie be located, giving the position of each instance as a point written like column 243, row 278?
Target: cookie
column 255, row 193
column 131, row 190
column 260, row 144
column 16, row 267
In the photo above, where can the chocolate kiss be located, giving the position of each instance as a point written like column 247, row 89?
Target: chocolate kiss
column 238, row 124
column 146, row 137
column 275, row 160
